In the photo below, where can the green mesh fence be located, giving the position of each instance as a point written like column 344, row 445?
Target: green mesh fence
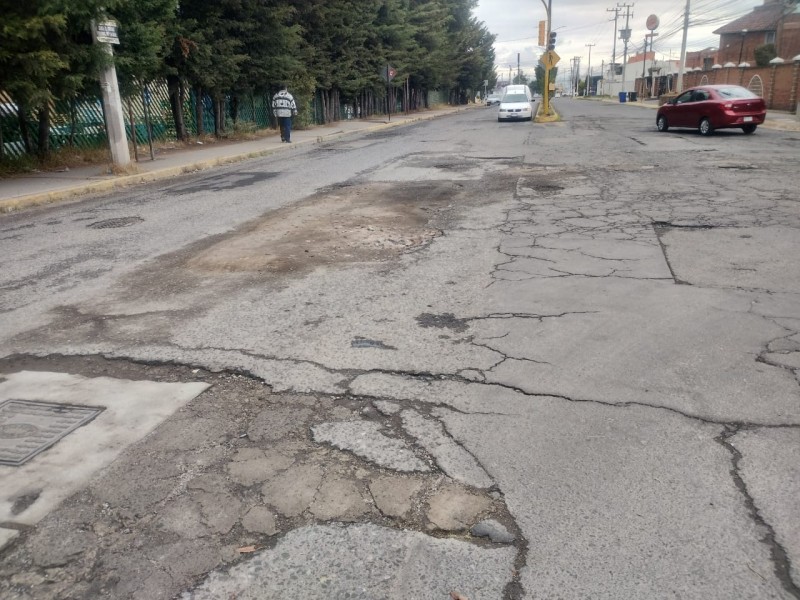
column 80, row 122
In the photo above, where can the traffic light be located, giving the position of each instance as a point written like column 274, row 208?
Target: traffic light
column 542, row 32
column 551, row 43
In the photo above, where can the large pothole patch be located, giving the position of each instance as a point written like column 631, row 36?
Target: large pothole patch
column 360, row 223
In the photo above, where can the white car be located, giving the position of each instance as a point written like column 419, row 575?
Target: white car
column 516, row 105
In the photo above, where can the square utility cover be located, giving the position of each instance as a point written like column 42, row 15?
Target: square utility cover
column 29, row 427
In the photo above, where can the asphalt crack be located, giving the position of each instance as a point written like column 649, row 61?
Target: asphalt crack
column 780, row 558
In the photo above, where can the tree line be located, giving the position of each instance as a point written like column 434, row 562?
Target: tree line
column 225, row 49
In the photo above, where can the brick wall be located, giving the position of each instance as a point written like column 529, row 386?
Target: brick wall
column 731, row 44
column 779, row 82
column 789, row 46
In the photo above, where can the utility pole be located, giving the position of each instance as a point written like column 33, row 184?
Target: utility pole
column 519, row 80
column 650, row 35
column 625, row 34
column 614, row 52
column 682, row 66
column 104, row 35
column 603, row 77
column 589, row 74
column 576, row 76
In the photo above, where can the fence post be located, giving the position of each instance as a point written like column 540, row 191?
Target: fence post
column 772, row 76
column 795, row 82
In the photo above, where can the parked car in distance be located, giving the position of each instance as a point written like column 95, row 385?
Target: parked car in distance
column 493, row 99
column 516, row 104
column 711, row 107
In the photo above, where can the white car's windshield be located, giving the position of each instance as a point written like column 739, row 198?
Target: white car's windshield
column 515, row 98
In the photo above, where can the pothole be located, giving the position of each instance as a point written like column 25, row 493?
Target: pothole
column 341, row 225
column 115, row 223
column 443, row 321
column 237, row 471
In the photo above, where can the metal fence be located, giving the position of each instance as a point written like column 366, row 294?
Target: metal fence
column 80, row 123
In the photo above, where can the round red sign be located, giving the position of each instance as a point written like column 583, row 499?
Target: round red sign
column 652, row 22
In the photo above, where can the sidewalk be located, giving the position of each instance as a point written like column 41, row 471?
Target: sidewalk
column 44, row 187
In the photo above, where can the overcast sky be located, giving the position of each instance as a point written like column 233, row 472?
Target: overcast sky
column 582, row 22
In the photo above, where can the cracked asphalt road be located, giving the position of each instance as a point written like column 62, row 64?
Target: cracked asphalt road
column 581, row 340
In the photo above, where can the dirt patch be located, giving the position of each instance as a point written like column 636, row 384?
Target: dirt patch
column 345, row 225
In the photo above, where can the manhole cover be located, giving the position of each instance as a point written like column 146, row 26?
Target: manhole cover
column 28, row 427
column 115, row 223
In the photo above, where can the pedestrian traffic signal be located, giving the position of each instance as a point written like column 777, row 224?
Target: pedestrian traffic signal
column 551, row 43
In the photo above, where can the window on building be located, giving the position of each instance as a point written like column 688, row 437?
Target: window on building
column 708, row 63
column 769, row 37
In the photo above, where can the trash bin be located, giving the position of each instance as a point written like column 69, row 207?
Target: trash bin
column 622, row 96
column 631, row 96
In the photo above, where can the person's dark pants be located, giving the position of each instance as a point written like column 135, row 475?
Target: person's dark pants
column 286, row 128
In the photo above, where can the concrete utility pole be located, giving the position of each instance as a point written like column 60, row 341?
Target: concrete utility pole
column 105, row 34
column 625, row 34
column 614, row 51
column 603, row 77
column 682, row 66
column 589, row 74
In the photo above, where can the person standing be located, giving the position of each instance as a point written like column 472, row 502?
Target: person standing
column 284, row 108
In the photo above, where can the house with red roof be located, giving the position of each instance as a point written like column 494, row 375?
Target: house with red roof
column 775, row 22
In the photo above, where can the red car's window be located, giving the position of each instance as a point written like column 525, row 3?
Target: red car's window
column 736, row 92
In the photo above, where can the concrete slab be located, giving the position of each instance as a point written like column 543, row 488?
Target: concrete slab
column 7, row 536
column 363, row 561
column 366, row 439
column 744, row 258
column 771, row 471
column 452, row 458
column 622, row 503
column 132, row 410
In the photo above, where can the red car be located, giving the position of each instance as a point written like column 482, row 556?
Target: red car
column 711, row 107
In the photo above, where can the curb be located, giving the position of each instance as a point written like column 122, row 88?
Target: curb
column 125, row 181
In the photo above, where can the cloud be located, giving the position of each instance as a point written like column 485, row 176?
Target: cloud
column 582, row 22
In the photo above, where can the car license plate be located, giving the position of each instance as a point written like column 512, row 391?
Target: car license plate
column 748, row 119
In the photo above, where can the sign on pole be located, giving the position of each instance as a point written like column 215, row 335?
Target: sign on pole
column 107, row 32
column 388, row 73
column 550, row 59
